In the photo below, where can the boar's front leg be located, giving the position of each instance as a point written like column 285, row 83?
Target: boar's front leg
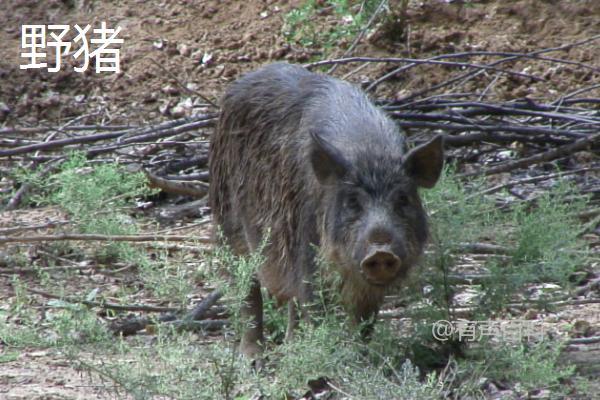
column 252, row 315
column 293, row 320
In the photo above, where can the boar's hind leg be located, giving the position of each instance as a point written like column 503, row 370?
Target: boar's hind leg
column 252, row 316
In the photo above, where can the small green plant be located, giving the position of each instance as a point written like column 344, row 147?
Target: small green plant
column 532, row 366
column 234, row 273
column 302, row 25
column 96, row 198
column 166, row 278
column 546, row 236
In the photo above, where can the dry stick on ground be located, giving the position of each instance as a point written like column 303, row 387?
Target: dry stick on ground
column 189, row 322
column 589, row 226
column 105, row 305
column 17, row 271
column 37, row 130
column 565, row 97
column 579, row 145
column 136, row 135
column 463, row 116
column 586, row 340
column 469, row 75
column 194, row 189
column 198, row 312
column 204, row 122
column 416, row 61
column 14, row 202
column 534, row 179
column 104, row 238
column 492, row 130
column 509, row 56
column 519, row 108
column 17, row 229
column 200, row 326
column 184, row 87
column 361, row 34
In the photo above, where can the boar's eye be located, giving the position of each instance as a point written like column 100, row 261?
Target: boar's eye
column 352, row 203
column 402, row 200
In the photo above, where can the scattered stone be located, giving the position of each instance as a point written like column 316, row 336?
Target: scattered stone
column 184, row 49
column 171, row 90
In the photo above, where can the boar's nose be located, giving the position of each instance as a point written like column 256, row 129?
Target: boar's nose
column 380, row 266
column 380, row 236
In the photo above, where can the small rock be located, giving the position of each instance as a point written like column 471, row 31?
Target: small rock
column 210, row 11
column 279, row 53
column 192, row 86
column 164, row 108
column 184, row 49
column 531, row 314
column 260, row 55
column 581, row 328
column 158, row 44
column 4, row 110
column 207, row 59
column 178, row 111
column 234, row 45
column 171, row 90
column 218, row 71
column 149, row 98
column 229, row 72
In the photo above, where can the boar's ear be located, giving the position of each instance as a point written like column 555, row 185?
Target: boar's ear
column 326, row 160
column 424, row 163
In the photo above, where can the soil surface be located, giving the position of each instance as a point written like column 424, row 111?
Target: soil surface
column 176, row 49
column 176, row 54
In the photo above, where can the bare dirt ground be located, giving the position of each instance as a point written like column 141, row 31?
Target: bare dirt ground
column 174, row 50
column 166, row 43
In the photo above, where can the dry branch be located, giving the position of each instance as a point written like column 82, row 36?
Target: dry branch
column 105, row 305
column 133, row 135
column 579, row 145
column 102, row 238
column 188, row 188
column 193, row 320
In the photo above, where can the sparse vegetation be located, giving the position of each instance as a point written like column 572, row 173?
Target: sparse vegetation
column 303, row 26
column 176, row 364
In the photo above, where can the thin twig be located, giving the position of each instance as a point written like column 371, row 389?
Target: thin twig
column 533, row 179
column 579, row 145
column 184, row 87
column 105, row 305
column 361, row 34
column 104, row 238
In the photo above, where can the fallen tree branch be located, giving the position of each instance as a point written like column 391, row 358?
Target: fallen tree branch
column 579, row 145
column 136, row 135
column 187, row 188
column 17, row 229
column 133, row 325
column 104, row 238
column 533, row 179
column 105, row 305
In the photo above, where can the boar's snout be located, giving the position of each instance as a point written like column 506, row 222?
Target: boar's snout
column 381, row 266
column 382, row 261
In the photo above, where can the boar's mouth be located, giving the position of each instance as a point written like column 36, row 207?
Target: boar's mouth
column 375, row 283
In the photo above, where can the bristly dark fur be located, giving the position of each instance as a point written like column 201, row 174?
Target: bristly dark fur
column 261, row 179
